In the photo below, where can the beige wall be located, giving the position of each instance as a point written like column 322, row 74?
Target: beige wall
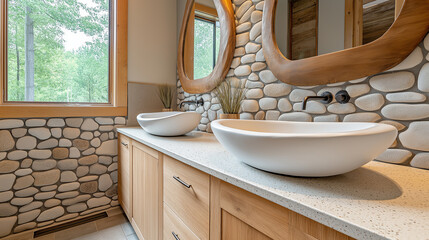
column 152, row 40
column 152, row 47
column 331, row 26
column 282, row 25
column 180, row 11
column 143, row 99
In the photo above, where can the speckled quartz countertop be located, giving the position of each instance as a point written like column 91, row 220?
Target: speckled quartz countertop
column 376, row 201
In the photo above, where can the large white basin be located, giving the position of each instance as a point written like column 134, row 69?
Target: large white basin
column 169, row 123
column 304, row 149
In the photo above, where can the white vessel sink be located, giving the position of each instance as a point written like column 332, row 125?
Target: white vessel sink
column 169, row 123
column 304, row 149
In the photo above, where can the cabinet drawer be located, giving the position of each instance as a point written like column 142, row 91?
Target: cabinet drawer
column 186, row 192
column 174, row 228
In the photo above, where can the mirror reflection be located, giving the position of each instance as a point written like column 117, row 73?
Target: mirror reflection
column 307, row 28
column 202, row 40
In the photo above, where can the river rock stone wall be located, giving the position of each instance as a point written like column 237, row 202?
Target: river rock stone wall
column 398, row 97
column 56, row 169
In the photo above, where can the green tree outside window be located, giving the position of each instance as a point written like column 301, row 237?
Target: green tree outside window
column 206, row 46
column 58, row 50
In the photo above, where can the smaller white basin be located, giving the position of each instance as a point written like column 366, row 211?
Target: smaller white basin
column 169, row 123
column 304, row 149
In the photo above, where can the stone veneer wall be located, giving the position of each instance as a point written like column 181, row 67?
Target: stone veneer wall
column 56, row 169
column 398, row 97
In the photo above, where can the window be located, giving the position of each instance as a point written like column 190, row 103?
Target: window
column 202, row 42
column 64, row 54
column 206, row 41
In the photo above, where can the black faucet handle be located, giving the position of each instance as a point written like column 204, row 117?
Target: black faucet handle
column 342, row 97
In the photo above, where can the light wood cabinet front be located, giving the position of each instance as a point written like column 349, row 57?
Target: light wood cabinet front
column 187, row 193
column 237, row 214
column 163, row 196
column 147, row 192
column 175, row 228
column 125, row 175
column 235, row 229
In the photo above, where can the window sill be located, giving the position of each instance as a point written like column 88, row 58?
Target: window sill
column 40, row 110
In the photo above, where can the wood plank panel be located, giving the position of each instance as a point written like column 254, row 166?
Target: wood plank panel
column 377, row 20
column 303, row 29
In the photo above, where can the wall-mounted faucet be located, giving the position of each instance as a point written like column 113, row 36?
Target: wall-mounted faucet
column 342, row 97
column 199, row 102
column 326, row 98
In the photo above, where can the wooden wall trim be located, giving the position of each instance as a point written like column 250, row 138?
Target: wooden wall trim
column 392, row 48
column 40, row 111
column 121, row 85
column 189, row 45
column 357, row 23
column 348, row 24
column 205, row 9
column 353, row 27
column 226, row 50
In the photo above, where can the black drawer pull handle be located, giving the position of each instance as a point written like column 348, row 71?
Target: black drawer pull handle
column 125, row 144
column 175, row 236
column 182, row 182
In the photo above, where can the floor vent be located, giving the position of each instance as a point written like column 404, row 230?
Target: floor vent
column 67, row 225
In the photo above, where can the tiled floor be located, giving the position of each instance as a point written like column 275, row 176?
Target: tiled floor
column 113, row 228
column 118, row 232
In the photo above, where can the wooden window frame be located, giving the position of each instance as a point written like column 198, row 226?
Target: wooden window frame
column 189, row 43
column 118, row 76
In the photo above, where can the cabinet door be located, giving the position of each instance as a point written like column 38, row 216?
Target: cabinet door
column 237, row 214
column 125, row 175
column 147, row 192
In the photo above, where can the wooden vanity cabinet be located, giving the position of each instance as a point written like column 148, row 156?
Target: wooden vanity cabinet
column 140, row 187
column 125, row 175
column 167, row 199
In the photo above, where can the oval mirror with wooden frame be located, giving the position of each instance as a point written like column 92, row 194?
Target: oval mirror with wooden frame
column 223, row 45
column 407, row 31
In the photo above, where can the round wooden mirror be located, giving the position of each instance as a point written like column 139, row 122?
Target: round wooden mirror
column 406, row 32
column 225, row 38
